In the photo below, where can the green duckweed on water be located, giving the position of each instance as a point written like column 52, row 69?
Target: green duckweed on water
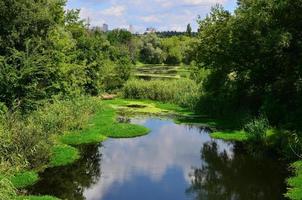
column 82, row 138
column 105, row 122
column 63, row 155
column 147, row 107
column 230, row 135
column 24, row 179
column 239, row 135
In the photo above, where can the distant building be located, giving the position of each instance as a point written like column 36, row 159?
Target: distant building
column 105, row 28
column 131, row 29
column 150, row 30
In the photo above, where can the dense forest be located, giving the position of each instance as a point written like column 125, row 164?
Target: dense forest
column 242, row 68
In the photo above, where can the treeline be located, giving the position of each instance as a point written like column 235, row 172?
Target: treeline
column 46, row 52
column 254, row 58
column 169, row 50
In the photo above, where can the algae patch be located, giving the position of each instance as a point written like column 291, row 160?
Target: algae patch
column 230, row 135
column 24, row 179
column 63, row 155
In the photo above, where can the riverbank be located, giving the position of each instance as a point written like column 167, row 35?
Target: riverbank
column 105, row 123
column 102, row 124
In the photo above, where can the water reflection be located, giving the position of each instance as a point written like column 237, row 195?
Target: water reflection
column 238, row 177
column 70, row 182
column 152, row 167
column 173, row 162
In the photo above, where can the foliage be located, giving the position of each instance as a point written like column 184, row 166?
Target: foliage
column 26, row 141
column 295, row 183
column 172, row 48
column 252, row 56
column 151, row 51
column 118, row 36
column 257, row 129
column 189, row 30
column 183, row 92
column 7, row 190
column 36, row 198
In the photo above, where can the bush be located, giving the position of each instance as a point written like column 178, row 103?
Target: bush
column 26, row 140
column 183, row 92
column 257, row 129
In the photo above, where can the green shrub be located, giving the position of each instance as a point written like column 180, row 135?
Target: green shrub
column 26, row 140
column 183, row 92
column 257, row 129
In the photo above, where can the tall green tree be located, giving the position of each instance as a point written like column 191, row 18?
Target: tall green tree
column 189, row 30
column 254, row 58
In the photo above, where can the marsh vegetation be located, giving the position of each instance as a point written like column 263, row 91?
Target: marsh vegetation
column 238, row 77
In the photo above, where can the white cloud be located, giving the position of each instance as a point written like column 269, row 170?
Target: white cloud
column 150, row 18
column 161, row 14
column 203, row 2
column 115, row 10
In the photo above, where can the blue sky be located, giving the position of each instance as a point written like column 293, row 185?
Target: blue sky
column 160, row 14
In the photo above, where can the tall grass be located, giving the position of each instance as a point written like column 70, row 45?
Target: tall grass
column 257, row 129
column 183, row 92
column 25, row 141
column 7, row 190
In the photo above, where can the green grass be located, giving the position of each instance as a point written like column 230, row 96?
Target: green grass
column 197, row 120
column 63, row 155
column 236, row 135
column 295, row 183
column 36, row 198
column 24, row 179
column 230, row 135
column 82, row 138
column 106, row 124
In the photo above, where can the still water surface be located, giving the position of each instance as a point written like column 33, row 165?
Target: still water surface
column 173, row 162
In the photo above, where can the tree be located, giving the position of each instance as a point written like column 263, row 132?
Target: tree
column 151, row 51
column 254, row 60
column 189, row 30
column 21, row 20
column 172, row 49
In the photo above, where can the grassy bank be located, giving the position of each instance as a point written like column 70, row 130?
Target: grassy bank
column 183, row 92
column 88, row 122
